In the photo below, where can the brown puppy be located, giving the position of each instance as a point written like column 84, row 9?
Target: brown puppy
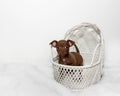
column 66, row 57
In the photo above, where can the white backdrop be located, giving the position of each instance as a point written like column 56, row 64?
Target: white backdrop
column 28, row 26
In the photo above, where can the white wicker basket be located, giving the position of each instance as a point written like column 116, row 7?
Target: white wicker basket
column 89, row 40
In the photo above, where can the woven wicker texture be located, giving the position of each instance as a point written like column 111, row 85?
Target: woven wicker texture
column 89, row 40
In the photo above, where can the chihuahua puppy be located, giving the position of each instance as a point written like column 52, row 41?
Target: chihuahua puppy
column 66, row 57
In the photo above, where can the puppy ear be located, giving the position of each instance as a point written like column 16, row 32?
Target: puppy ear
column 54, row 43
column 70, row 43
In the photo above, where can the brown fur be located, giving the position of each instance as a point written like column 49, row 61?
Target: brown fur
column 66, row 57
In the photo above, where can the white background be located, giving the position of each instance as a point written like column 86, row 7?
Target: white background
column 28, row 26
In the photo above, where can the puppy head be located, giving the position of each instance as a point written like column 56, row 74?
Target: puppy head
column 62, row 46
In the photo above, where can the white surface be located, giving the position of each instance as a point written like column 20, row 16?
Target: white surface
column 27, row 27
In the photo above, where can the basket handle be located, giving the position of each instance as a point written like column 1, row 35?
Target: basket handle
column 94, row 53
column 77, row 50
column 77, row 27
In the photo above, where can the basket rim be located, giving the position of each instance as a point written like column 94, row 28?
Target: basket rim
column 81, row 67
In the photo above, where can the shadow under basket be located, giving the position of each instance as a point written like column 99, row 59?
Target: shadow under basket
column 90, row 42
